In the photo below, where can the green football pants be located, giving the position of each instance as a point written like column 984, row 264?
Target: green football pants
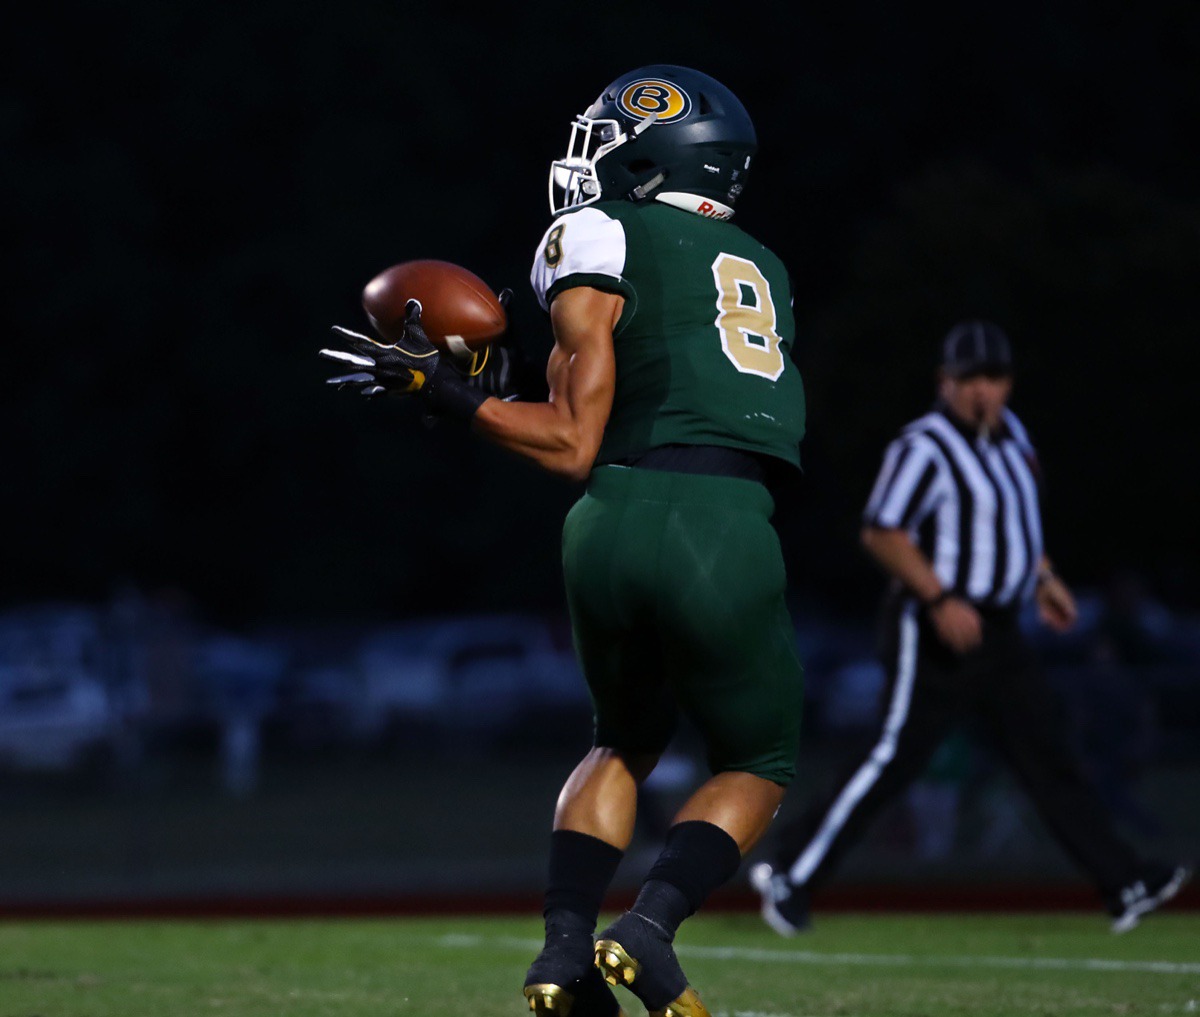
column 675, row 584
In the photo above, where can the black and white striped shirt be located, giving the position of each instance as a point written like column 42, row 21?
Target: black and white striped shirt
column 969, row 503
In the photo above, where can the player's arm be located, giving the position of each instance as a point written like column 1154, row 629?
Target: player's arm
column 958, row 624
column 563, row 434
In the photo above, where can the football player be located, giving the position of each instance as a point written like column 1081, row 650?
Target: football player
column 672, row 392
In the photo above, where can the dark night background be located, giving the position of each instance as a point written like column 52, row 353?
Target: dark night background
column 195, row 193
column 241, row 651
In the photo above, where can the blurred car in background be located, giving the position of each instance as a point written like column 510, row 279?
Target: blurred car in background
column 474, row 675
column 54, row 721
column 56, row 712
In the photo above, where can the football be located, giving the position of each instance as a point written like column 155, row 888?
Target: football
column 459, row 311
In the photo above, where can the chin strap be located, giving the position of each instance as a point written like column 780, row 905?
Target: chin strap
column 642, row 124
column 642, row 190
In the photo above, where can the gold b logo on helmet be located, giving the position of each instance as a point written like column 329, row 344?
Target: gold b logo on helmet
column 653, row 95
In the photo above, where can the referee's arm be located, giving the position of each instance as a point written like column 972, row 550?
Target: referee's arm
column 1056, row 603
column 901, row 558
column 957, row 623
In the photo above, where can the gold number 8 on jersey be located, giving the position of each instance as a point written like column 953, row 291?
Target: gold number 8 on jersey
column 746, row 317
column 553, row 252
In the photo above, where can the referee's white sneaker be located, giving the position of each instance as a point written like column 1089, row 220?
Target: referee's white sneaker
column 1145, row 895
column 784, row 904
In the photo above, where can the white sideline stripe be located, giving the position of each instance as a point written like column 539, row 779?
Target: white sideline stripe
column 906, row 960
column 894, row 960
column 751, row 1013
column 883, row 753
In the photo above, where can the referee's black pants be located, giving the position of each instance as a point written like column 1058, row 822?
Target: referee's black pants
column 1001, row 686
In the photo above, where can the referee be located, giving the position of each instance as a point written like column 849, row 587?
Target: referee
column 954, row 520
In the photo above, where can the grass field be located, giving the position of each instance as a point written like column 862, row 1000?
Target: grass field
column 856, row 966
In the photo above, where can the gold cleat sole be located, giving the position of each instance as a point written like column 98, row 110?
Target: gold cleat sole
column 687, row 1005
column 618, row 968
column 549, row 1000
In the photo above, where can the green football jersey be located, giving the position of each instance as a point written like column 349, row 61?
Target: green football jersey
column 703, row 346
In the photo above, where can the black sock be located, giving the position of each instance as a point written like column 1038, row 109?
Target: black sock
column 581, row 868
column 698, row 857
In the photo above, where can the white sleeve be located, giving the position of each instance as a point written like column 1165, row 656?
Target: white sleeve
column 587, row 244
column 906, row 489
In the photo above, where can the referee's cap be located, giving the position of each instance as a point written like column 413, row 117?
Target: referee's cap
column 976, row 347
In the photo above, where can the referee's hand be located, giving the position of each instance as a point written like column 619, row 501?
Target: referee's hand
column 1056, row 605
column 958, row 624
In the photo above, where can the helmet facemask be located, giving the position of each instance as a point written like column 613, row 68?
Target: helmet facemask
column 573, row 180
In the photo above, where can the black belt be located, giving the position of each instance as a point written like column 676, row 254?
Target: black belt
column 1000, row 614
column 711, row 460
column 1003, row 614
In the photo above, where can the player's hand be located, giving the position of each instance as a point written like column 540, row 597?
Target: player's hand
column 410, row 366
column 957, row 624
column 503, row 369
column 1056, row 605
column 362, row 382
column 397, row 368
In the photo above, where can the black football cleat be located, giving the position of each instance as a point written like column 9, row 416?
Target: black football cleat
column 1155, row 888
column 553, row 989
column 784, row 903
column 635, row 953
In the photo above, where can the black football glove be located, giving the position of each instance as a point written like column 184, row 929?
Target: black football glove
column 410, row 366
column 503, row 369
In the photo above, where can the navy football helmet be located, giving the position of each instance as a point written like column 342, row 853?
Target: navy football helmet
column 658, row 132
